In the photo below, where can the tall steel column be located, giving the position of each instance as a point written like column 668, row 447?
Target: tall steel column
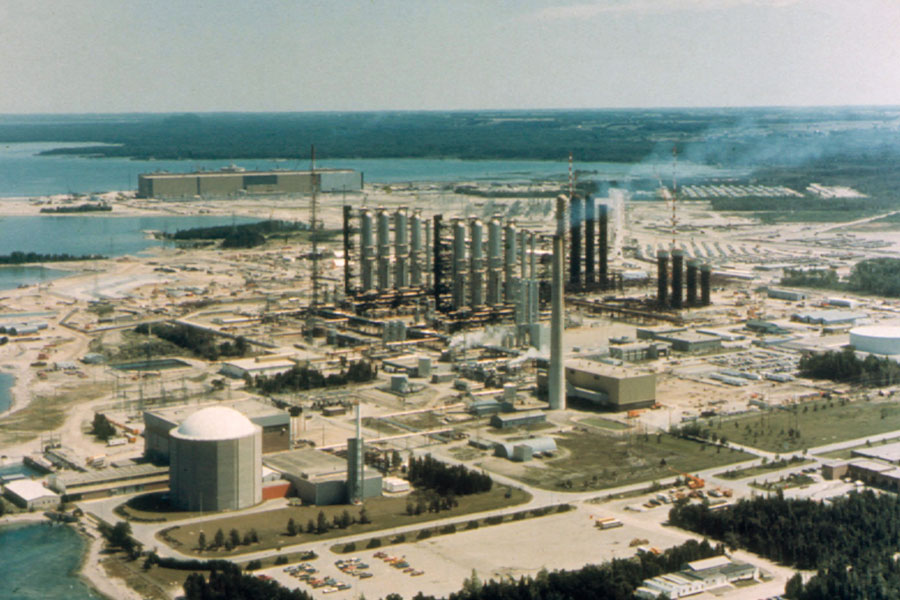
column 401, row 248
column 438, row 264
column 384, row 250
column 603, row 242
column 476, row 262
column 556, row 384
column 510, row 263
column 368, row 250
column 677, row 274
column 662, row 278
column 495, row 263
column 692, row 266
column 415, row 250
column 575, row 218
column 590, row 277
column 347, row 233
column 705, row 281
column 459, row 264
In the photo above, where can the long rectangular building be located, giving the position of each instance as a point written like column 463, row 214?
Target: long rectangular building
column 237, row 182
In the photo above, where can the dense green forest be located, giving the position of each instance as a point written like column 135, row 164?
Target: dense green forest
column 879, row 276
column 21, row 258
column 198, row 341
column 304, row 378
column 851, row 542
column 614, row 580
column 80, row 208
column 428, row 472
column 845, row 366
column 247, row 235
column 757, row 137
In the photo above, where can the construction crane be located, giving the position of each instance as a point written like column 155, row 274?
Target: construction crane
column 693, row 482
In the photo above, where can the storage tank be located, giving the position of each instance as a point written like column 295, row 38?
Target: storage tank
column 215, row 461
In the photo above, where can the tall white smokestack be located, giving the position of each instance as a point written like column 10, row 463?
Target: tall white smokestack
column 556, row 386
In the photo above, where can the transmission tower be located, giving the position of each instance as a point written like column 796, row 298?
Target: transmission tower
column 313, row 227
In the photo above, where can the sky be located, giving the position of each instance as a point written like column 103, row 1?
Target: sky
column 105, row 56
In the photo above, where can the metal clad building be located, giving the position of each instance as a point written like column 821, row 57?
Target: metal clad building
column 624, row 388
column 216, row 461
column 235, row 182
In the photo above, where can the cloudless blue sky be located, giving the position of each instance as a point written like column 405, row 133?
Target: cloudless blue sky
column 295, row 55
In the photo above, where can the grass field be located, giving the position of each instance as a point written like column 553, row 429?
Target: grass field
column 594, row 461
column 848, row 452
column 604, row 423
column 809, row 425
column 271, row 526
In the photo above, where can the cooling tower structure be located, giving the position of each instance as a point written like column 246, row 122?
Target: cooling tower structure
column 367, row 250
column 662, row 277
column 383, row 249
column 603, row 243
column 415, row 249
column 556, row 387
column 677, row 274
column 401, row 248
column 476, row 262
column 509, row 264
column 459, row 264
column 215, row 461
column 692, row 266
column 705, row 277
column 495, row 263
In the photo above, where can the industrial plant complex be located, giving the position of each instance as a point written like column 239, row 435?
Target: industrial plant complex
column 443, row 377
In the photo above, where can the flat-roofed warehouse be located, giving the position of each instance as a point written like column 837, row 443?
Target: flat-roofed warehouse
column 237, row 182
column 30, row 494
column 320, row 478
column 617, row 387
column 275, row 424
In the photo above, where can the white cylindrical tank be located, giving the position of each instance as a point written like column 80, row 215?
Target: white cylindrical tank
column 215, row 461
column 877, row 339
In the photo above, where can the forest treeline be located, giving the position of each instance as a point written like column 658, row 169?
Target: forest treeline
column 198, row 341
column 850, row 542
column 302, row 377
column 847, row 367
column 22, row 258
column 428, row 472
column 247, row 235
column 728, row 137
column 879, row 276
column 614, row 580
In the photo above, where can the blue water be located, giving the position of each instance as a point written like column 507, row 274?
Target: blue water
column 6, row 383
column 110, row 236
column 14, row 276
column 19, row 469
column 40, row 562
column 24, row 173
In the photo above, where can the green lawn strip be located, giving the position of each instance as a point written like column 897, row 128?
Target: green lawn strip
column 428, row 532
column 847, row 453
column 808, row 425
column 604, row 423
column 774, row 465
column 791, row 481
column 596, row 461
column 271, row 525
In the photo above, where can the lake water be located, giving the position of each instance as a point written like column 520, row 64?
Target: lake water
column 24, row 173
column 110, row 236
column 40, row 561
column 13, row 276
column 6, row 383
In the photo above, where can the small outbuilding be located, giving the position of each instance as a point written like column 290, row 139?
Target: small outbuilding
column 30, row 494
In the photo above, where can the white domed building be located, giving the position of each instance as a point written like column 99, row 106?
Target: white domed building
column 215, row 461
column 876, row 339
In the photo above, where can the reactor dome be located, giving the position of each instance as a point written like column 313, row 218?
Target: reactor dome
column 215, row 423
column 876, row 339
column 215, row 461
